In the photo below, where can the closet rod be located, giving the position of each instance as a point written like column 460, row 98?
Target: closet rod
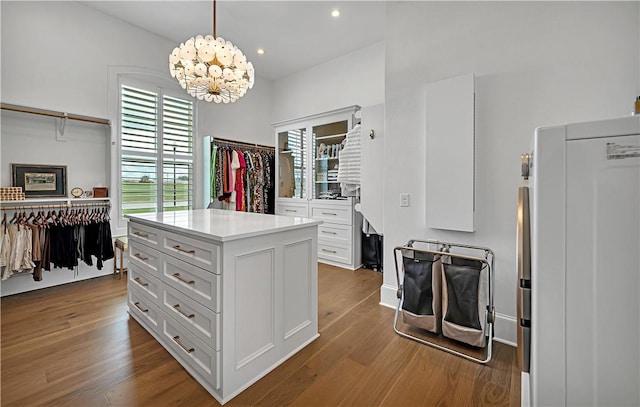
column 55, row 206
column 214, row 140
column 51, row 113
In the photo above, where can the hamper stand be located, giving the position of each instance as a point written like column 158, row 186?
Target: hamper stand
column 446, row 293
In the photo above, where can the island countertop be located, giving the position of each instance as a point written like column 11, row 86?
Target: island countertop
column 222, row 225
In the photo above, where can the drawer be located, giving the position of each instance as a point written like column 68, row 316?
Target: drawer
column 144, row 282
column 144, row 257
column 335, row 214
column 193, row 281
column 201, row 321
column 143, row 308
column 190, row 351
column 143, row 234
column 292, row 209
column 337, row 253
column 334, row 233
column 196, row 252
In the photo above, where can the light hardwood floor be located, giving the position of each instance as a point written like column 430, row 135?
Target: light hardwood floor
column 75, row 345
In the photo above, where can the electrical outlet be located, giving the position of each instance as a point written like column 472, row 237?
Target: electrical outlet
column 404, row 200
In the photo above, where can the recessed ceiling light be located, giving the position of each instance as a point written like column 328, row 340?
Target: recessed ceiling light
column 260, row 51
column 335, row 12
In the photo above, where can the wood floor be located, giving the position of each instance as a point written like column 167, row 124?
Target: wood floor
column 75, row 345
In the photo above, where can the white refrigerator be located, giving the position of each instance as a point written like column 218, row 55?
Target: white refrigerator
column 579, row 266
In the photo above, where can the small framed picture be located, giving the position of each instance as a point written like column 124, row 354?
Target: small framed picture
column 40, row 180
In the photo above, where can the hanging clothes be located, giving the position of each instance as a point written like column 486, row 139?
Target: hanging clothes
column 241, row 177
column 349, row 169
column 32, row 244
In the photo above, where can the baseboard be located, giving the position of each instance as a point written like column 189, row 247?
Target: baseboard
column 505, row 325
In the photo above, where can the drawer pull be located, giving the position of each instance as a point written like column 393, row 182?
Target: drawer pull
column 145, row 235
column 139, row 256
column 329, row 233
column 190, row 251
column 177, row 275
column 177, row 308
column 329, row 251
column 290, row 210
column 177, row 340
column 330, row 213
column 137, row 304
column 137, row 280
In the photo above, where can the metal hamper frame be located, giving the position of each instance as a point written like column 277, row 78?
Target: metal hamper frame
column 443, row 249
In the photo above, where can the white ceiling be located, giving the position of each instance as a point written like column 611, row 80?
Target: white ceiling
column 295, row 35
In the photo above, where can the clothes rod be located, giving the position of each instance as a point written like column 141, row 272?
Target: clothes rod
column 51, row 113
column 55, row 206
column 215, row 140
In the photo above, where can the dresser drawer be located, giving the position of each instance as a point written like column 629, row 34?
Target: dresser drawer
column 201, row 321
column 190, row 351
column 332, row 233
column 335, row 214
column 144, row 257
column 143, row 234
column 196, row 252
column 144, row 282
column 337, row 253
column 143, row 308
column 292, row 209
column 193, row 281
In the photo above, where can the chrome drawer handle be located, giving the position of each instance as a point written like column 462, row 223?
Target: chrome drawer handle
column 177, row 275
column 137, row 304
column 290, row 210
column 177, row 308
column 329, row 251
column 177, row 340
column 146, row 236
column 137, row 280
column 329, row 233
column 329, row 213
column 190, row 251
column 139, row 256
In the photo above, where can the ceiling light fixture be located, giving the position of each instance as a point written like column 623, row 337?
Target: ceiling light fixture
column 260, row 51
column 335, row 13
column 211, row 69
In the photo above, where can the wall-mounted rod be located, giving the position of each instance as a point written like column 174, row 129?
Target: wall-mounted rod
column 215, row 140
column 52, row 113
column 55, row 206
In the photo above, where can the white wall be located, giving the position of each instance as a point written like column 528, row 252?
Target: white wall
column 353, row 79
column 536, row 63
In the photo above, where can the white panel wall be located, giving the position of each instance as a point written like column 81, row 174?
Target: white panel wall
column 536, row 63
column 353, row 79
column 450, row 154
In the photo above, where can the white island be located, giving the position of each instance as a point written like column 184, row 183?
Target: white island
column 231, row 295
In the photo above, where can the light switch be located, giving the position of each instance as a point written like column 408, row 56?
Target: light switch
column 404, row 199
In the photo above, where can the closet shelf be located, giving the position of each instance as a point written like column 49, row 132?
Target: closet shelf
column 40, row 201
column 331, row 136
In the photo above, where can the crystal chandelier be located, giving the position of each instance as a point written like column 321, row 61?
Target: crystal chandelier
column 210, row 68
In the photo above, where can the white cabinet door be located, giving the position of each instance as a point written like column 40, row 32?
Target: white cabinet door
column 371, row 171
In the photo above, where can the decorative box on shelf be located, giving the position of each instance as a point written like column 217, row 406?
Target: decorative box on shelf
column 11, row 194
column 100, row 192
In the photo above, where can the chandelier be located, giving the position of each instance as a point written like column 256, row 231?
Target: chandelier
column 211, row 69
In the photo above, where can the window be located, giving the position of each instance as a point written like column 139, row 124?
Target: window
column 156, row 144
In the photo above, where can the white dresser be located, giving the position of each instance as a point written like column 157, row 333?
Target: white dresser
column 231, row 295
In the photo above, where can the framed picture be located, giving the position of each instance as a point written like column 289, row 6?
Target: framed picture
column 40, row 180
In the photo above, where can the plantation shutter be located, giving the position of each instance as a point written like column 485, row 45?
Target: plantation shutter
column 177, row 147
column 156, row 144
